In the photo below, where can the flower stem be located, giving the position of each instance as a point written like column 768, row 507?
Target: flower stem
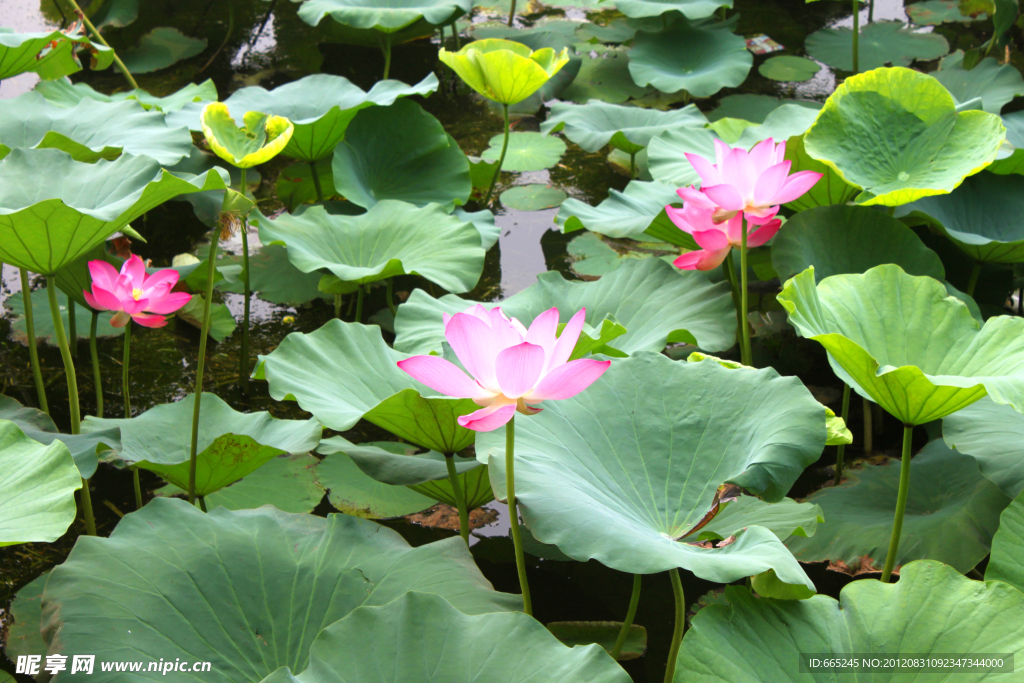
column 243, row 360
column 841, row 450
column 316, row 181
column 33, row 349
column 337, row 305
column 504, row 148
column 677, row 633
column 72, row 328
column 97, row 377
column 359, row 304
column 901, row 504
column 124, row 370
column 973, row 282
column 96, row 34
column 512, row 13
column 871, row 11
column 747, row 355
column 730, row 275
column 389, row 293
column 387, row 55
column 869, row 432
column 513, row 513
column 856, row 36
column 632, row 165
column 69, row 372
column 202, row 503
column 634, row 600
column 210, row 272
column 460, row 497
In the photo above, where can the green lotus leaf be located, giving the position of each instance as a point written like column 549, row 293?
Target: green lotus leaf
column 51, row 55
column 629, row 128
column 64, row 93
column 274, row 278
column 603, row 633
column 1010, row 158
column 504, row 71
column 994, row 83
column 44, row 320
column 700, row 58
column 392, row 238
column 604, row 75
column 483, row 221
column 991, row 434
column 160, row 586
column 618, row 475
column 231, row 444
column 592, row 257
column 880, row 43
column 405, row 635
column 656, row 303
column 386, row 17
column 830, row 189
column 90, row 130
column 691, row 9
column 37, row 492
column 46, row 225
column 222, row 323
column 837, row 240
column 983, row 216
column 952, row 513
column 355, row 493
column 910, row 141
column 785, row 518
column 533, row 197
column 932, row 608
column 902, row 342
column 74, row 278
column 754, row 108
column 526, row 151
column 622, row 214
column 295, row 186
column 320, row 106
column 1007, row 560
column 789, row 68
column 23, row 637
column 38, row 426
column 400, row 152
column 261, row 137
column 935, row 12
column 161, row 48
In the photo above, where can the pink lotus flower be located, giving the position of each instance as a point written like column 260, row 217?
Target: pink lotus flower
column 753, row 183
column 512, row 368
column 133, row 294
column 715, row 239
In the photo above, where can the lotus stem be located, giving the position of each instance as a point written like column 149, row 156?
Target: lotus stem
column 513, row 513
column 632, row 165
column 210, row 273
column 202, row 503
column 458, row 39
column 359, row 304
column 243, row 360
column 677, row 633
column 316, row 181
column 869, row 433
column 901, row 504
column 730, row 275
column 634, row 600
column 747, row 355
column 69, row 372
column 124, row 370
column 501, row 158
column 841, row 450
column 33, row 349
column 512, row 13
column 460, row 497
column 871, row 11
column 72, row 328
column 387, row 55
column 390, row 296
column 337, row 305
column 99, row 38
column 856, row 36
column 973, row 282
column 137, row 485
column 94, row 356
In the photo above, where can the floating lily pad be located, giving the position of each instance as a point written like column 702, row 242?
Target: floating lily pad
column 789, row 68
column 935, row 12
column 604, row 75
column 880, row 43
column 1007, row 560
column 911, row 141
column 621, row 214
column 691, row 9
column 64, row 93
column 629, row 128
column 526, row 151
column 289, row 577
column 532, row 197
column 43, row 320
column 51, row 55
column 355, row 493
column 996, row 84
column 160, row 48
column 700, row 58
column 991, row 433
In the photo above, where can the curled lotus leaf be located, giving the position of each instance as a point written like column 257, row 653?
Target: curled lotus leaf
column 629, row 128
column 992, row 434
column 260, row 139
column 64, row 93
column 622, row 214
column 388, row 16
column 994, row 84
column 51, row 55
column 503, row 70
column 691, row 9
column 1007, row 560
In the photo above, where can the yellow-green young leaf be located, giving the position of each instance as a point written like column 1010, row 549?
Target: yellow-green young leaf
column 837, row 433
column 502, row 70
column 259, row 140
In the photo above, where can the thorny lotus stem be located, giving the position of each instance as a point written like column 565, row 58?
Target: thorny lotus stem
column 513, row 513
column 634, row 600
column 389, row 293
column 460, row 497
column 33, row 350
column 72, row 328
column 69, row 371
column 512, row 13
column 841, row 450
column 730, row 275
column 124, row 370
column 387, row 55
column 973, row 282
column 97, row 377
column 869, row 432
column 747, row 355
column 677, row 632
column 316, row 181
column 210, row 274
column 96, row 34
column 243, row 361
column 901, row 504
column 501, row 159
column 856, row 36
column 359, row 304
column 138, row 487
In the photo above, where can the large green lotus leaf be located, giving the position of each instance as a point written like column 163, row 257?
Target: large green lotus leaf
column 38, row 426
column 161, row 48
column 484, row 222
column 90, row 130
column 952, row 513
column 295, row 187
column 753, row 108
column 527, row 151
column 656, row 303
column 984, row 216
column 622, row 214
column 423, row 638
column 37, row 491
column 691, row 9
column 45, row 225
column 392, row 238
column 596, row 124
column 245, row 590
column 321, row 107
column 355, row 493
column 230, row 446
column 74, row 278
column 400, row 152
column 43, row 319
column 619, row 473
column 996, row 84
column 64, row 93
column 785, row 518
column 476, row 487
column 1007, row 560
column 849, row 239
column 700, row 58
column 21, row 52
column 604, row 75
column 387, row 16
column 275, row 279
column 993, row 434
column 430, row 423
column 880, row 43
column 830, row 188
column 931, row 609
column 896, row 134
column 901, row 341
column 23, row 637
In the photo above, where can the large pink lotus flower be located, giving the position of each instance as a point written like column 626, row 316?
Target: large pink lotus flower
column 751, row 183
column 715, row 239
column 512, row 368
column 133, row 294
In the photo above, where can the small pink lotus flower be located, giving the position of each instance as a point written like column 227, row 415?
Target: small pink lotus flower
column 715, row 239
column 512, row 368
column 133, row 294
column 753, row 183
